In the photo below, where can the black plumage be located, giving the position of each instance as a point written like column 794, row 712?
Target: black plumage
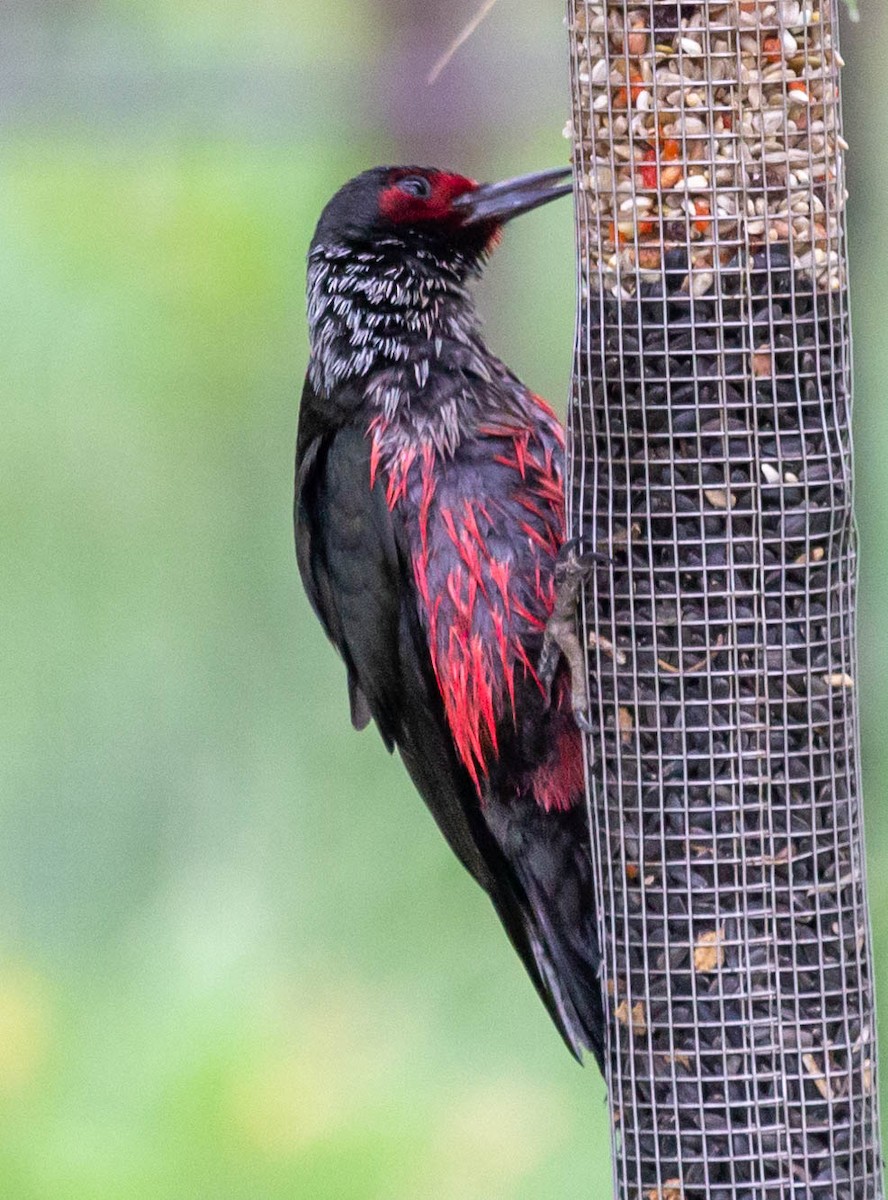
column 429, row 515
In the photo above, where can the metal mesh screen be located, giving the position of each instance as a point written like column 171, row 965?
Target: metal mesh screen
column 712, row 464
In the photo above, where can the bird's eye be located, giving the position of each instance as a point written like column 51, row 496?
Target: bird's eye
column 415, row 185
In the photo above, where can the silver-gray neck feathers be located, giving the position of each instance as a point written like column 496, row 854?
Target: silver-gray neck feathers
column 373, row 310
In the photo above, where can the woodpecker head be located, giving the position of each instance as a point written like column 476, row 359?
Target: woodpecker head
column 423, row 209
column 388, row 267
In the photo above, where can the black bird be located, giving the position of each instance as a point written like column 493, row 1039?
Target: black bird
column 429, row 518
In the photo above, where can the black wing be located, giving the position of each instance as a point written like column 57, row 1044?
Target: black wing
column 356, row 572
column 354, row 566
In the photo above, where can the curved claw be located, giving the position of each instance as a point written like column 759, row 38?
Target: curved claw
column 547, row 663
column 571, row 557
column 569, row 546
column 583, row 719
column 593, row 558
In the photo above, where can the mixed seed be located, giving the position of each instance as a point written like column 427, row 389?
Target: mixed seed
column 712, row 465
column 709, row 125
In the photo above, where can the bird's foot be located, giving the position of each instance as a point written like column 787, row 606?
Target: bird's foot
column 560, row 640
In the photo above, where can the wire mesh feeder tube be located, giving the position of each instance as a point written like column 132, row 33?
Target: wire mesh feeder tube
column 711, row 461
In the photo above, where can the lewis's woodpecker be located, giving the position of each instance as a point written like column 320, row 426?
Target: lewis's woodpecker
column 429, row 518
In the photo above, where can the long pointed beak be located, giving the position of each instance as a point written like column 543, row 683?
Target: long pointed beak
column 500, row 202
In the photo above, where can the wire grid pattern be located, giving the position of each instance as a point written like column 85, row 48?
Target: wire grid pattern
column 711, row 462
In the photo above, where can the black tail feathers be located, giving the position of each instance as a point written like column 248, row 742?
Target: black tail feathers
column 544, row 898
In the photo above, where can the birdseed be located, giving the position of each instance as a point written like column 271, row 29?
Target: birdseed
column 712, row 465
column 695, row 109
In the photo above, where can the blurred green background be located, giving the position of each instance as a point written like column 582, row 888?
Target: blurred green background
column 236, row 959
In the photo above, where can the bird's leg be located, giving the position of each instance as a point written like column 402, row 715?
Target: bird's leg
column 560, row 639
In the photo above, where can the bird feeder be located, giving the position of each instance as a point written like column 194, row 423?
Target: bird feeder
column 711, row 464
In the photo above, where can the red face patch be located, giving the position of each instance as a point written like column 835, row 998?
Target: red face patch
column 412, row 196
